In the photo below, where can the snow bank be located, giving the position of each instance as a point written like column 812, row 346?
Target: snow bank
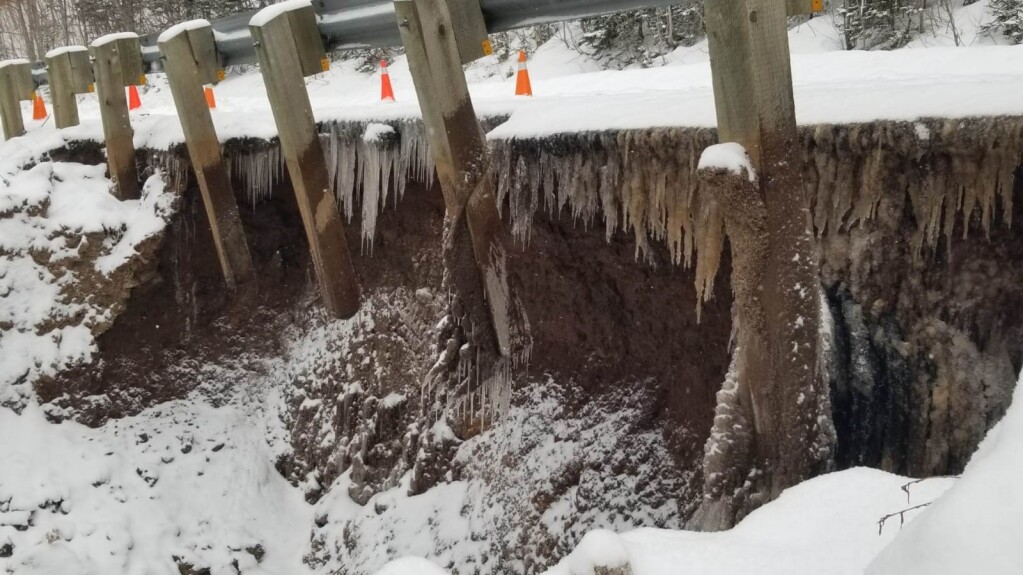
column 59, row 225
column 975, row 527
column 181, row 484
column 826, row 526
column 599, row 548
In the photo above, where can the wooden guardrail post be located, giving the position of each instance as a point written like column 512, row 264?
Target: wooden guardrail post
column 118, row 63
column 457, row 141
column 70, row 74
column 801, row 7
column 753, row 92
column 15, row 86
column 290, row 48
column 190, row 60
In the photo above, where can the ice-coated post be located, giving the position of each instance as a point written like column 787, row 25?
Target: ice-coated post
column 70, row 74
column 752, row 75
column 290, row 48
column 118, row 63
column 190, row 58
column 458, row 145
column 15, row 85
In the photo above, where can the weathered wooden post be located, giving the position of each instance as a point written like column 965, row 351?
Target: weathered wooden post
column 439, row 38
column 70, row 74
column 776, row 277
column 290, row 48
column 190, row 55
column 118, row 63
column 16, row 85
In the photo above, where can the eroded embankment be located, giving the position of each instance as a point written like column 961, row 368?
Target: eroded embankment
column 615, row 244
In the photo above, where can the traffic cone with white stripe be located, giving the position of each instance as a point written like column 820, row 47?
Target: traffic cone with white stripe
column 386, row 90
column 522, row 84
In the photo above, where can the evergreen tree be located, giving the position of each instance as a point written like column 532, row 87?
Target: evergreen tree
column 1008, row 19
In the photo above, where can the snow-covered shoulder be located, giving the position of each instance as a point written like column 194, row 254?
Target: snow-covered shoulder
column 728, row 156
column 975, row 527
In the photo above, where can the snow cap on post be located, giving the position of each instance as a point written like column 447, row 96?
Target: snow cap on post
column 312, row 54
column 729, row 156
column 203, row 45
column 19, row 73
column 129, row 54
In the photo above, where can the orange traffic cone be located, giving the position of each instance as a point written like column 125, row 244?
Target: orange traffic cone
column 134, row 102
column 211, row 100
column 39, row 108
column 522, row 85
column 386, row 91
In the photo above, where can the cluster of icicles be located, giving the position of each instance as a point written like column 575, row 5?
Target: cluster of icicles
column 644, row 182
column 367, row 164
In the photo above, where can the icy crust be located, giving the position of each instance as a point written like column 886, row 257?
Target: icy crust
column 68, row 250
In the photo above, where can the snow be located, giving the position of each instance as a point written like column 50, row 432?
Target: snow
column 573, row 94
column 376, row 132
column 113, row 37
column 173, row 31
column 14, row 62
column 825, row 526
column 106, row 501
column 729, row 156
column 274, row 10
column 599, row 548
column 975, row 527
column 411, row 566
column 65, row 50
column 360, row 12
column 182, row 480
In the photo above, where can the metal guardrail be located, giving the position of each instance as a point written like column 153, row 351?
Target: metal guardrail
column 348, row 24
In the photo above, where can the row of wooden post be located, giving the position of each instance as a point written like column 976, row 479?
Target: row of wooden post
column 440, row 36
